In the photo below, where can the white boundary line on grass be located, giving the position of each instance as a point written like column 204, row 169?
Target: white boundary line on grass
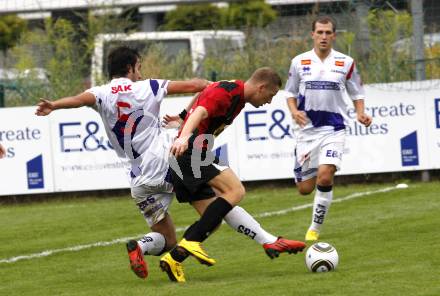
column 124, row 239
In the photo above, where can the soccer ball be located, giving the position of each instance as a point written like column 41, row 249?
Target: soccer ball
column 321, row 257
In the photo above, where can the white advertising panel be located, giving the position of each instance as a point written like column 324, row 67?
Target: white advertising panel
column 432, row 112
column 27, row 167
column 395, row 141
column 400, row 139
column 265, row 144
column 83, row 158
column 69, row 150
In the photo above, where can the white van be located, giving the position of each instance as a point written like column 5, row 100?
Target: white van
column 195, row 43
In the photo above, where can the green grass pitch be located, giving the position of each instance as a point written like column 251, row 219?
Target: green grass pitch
column 388, row 244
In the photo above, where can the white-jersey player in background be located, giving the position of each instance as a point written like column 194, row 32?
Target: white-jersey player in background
column 317, row 84
column 129, row 108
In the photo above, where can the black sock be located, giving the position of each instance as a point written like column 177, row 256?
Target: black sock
column 209, row 221
column 324, row 188
column 179, row 254
column 190, row 229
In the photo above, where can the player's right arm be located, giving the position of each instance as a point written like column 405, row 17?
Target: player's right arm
column 180, row 145
column 45, row 107
column 292, row 88
column 300, row 117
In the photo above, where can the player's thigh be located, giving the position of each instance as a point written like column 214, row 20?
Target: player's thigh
column 229, row 186
column 306, row 168
column 330, row 158
column 153, row 201
column 307, row 186
column 332, row 149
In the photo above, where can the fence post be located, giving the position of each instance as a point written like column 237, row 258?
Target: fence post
column 213, row 76
column 419, row 53
column 2, row 95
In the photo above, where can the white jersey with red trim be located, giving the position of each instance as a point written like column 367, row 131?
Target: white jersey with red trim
column 130, row 113
column 321, row 88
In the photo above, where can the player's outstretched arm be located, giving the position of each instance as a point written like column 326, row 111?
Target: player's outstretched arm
column 181, row 143
column 45, row 107
column 360, row 112
column 189, row 86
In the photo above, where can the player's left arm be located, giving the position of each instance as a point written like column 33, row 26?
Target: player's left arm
column 180, row 145
column 356, row 92
column 45, row 107
column 362, row 117
column 189, row 86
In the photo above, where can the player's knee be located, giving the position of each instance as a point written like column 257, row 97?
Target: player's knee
column 239, row 192
column 304, row 190
column 235, row 194
column 325, row 180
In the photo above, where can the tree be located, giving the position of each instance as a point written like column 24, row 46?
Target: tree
column 193, row 17
column 249, row 13
column 385, row 62
column 11, row 28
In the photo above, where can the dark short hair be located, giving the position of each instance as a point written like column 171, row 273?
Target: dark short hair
column 120, row 59
column 324, row 19
column 266, row 74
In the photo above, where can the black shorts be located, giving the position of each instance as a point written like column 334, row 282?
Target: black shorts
column 191, row 187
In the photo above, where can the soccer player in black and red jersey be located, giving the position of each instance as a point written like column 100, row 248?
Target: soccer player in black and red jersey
column 213, row 189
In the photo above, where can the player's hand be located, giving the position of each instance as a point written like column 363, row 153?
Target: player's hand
column 44, row 107
column 300, row 118
column 179, row 146
column 2, row 151
column 364, row 119
column 171, row 121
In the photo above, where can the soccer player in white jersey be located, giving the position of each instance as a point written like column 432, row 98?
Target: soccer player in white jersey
column 317, row 84
column 129, row 108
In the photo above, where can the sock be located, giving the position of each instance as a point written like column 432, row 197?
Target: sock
column 152, row 243
column 209, row 221
column 241, row 221
column 179, row 254
column 321, row 205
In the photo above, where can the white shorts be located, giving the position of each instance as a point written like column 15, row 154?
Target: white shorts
column 153, row 201
column 309, row 155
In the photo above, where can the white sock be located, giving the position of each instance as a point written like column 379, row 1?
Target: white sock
column 241, row 221
column 152, row 243
column 321, row 205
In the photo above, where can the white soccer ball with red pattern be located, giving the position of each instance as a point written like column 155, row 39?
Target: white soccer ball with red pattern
column 321, row 257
